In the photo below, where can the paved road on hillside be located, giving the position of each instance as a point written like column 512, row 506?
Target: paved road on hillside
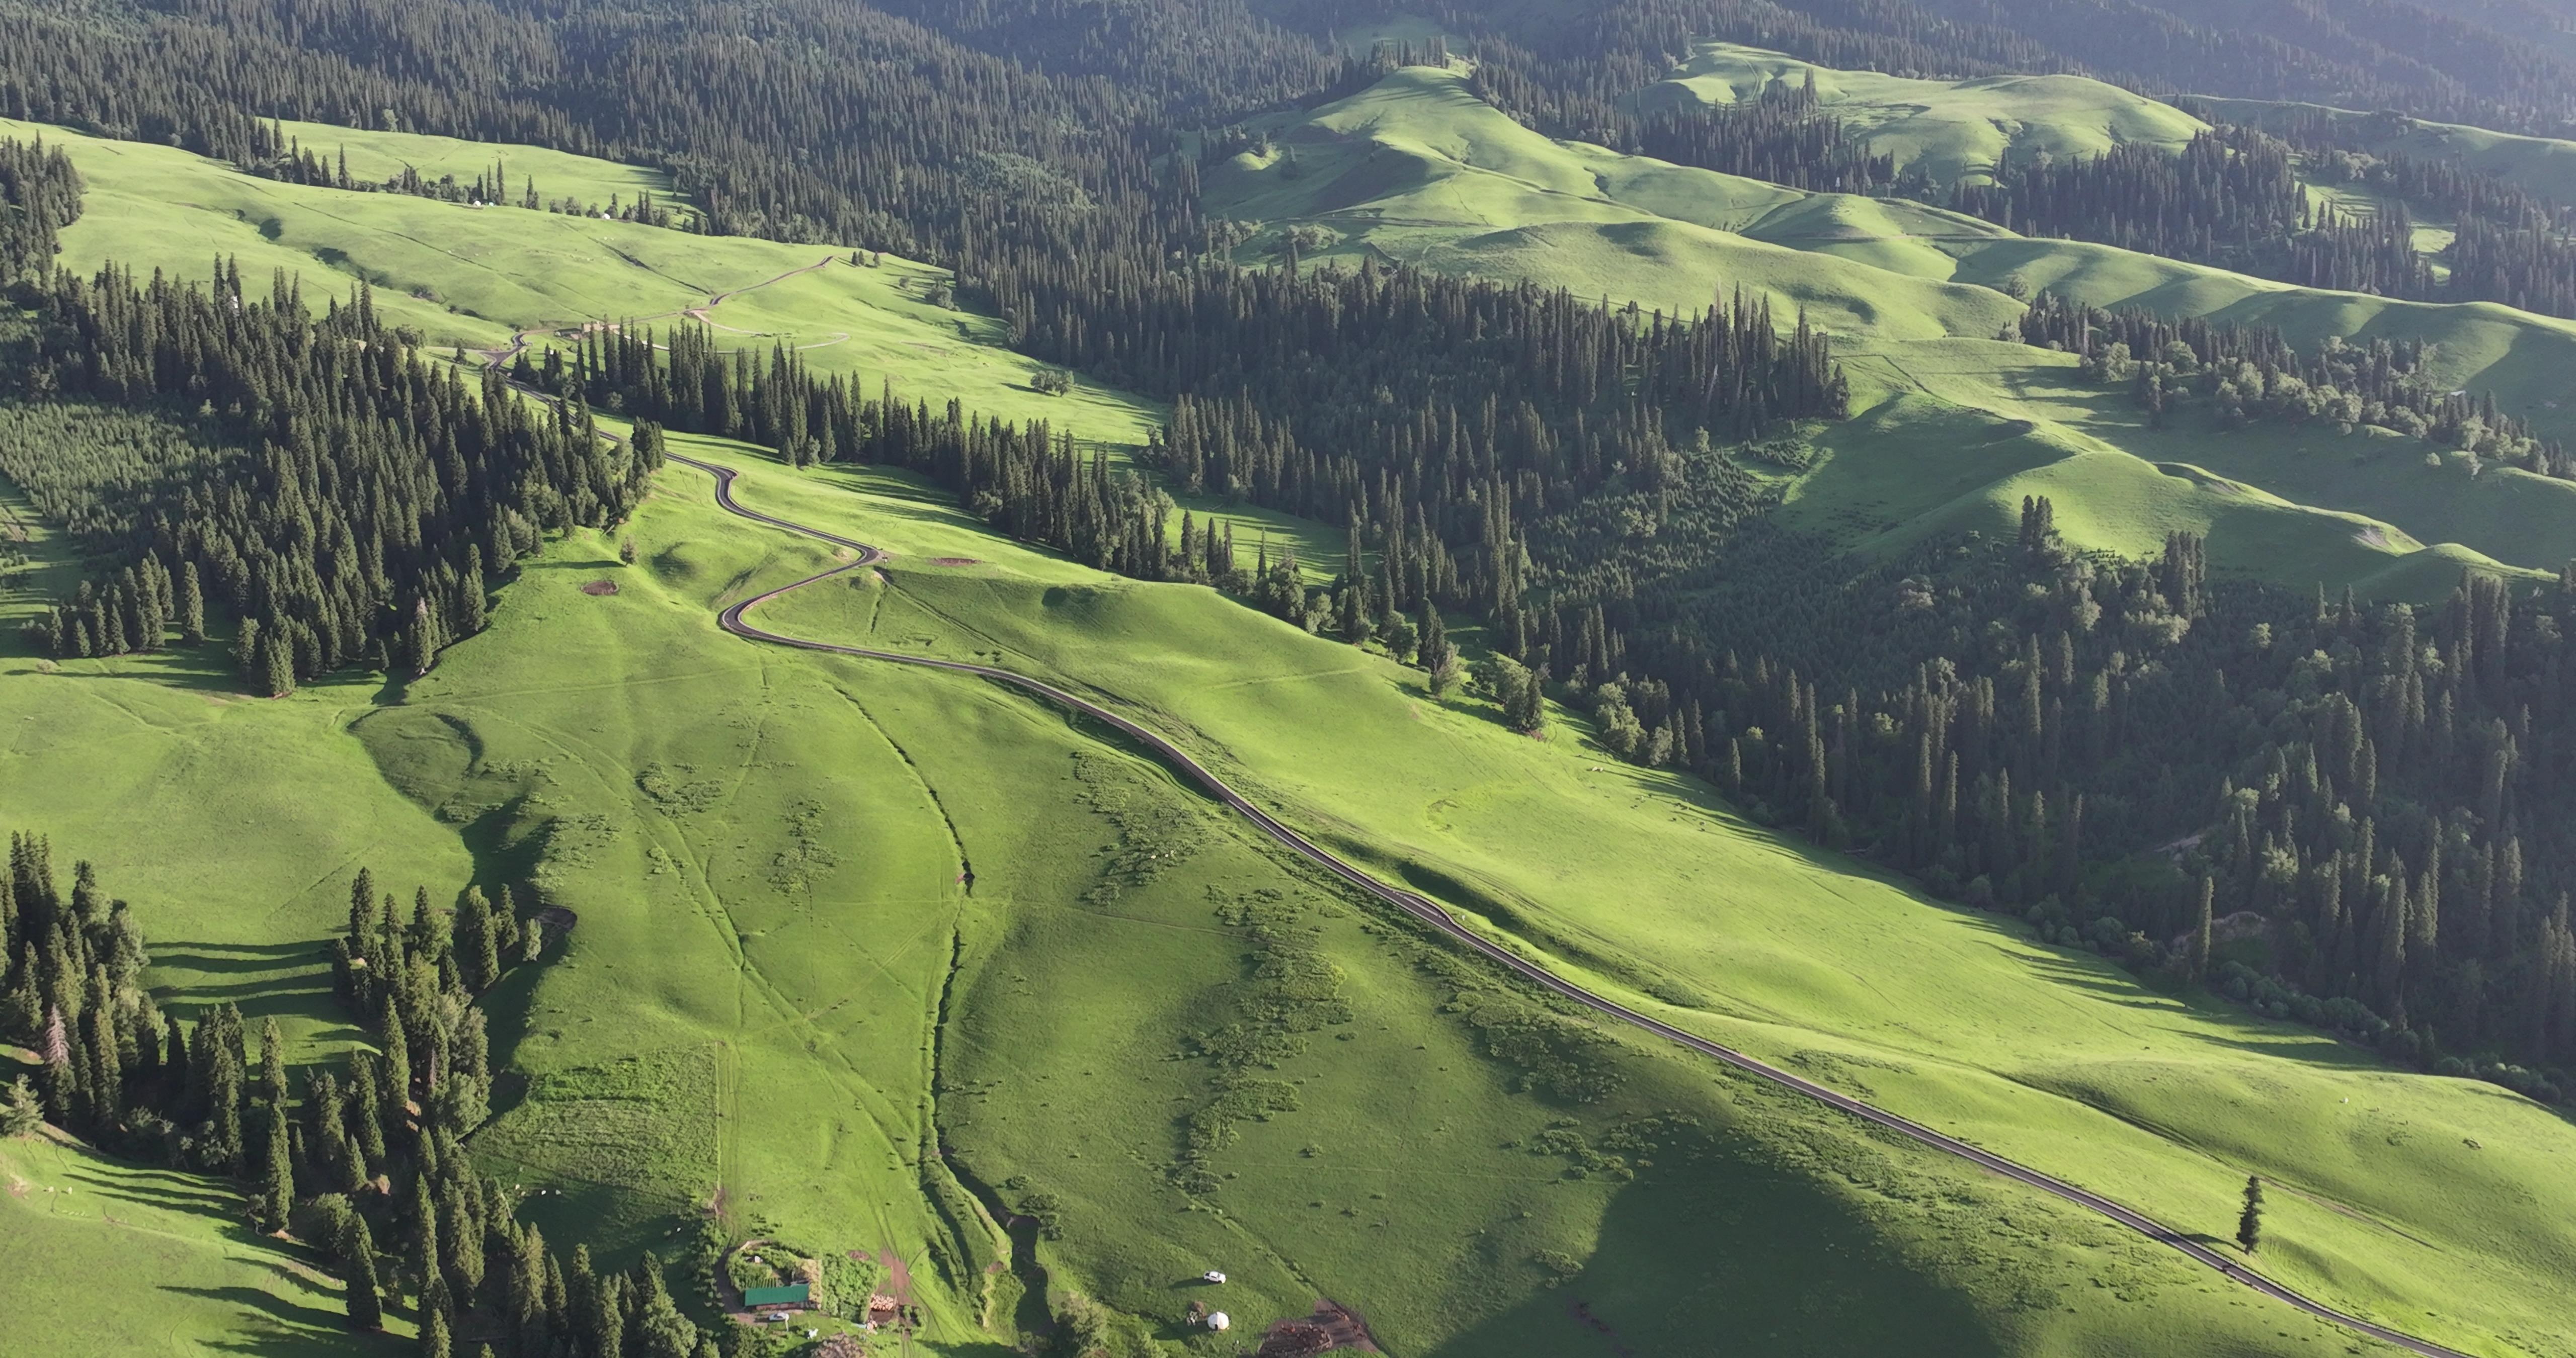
column 1438, row 917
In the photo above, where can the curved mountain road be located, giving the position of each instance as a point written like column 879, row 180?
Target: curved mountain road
column 733, row 620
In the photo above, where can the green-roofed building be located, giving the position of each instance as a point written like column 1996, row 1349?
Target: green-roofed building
column 793, row 1297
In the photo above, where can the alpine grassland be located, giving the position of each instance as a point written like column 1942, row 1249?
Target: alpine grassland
column 981, row 1002
column 1950, row 128
column 1955, row 426
column 1650, row 889
column 786, row 1004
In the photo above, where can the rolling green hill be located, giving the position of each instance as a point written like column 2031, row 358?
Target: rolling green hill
column 873, row 960
column 1951, row 129
column 1417, row 169
column 1640, row 883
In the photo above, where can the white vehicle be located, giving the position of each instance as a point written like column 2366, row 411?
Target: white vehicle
column 1212, row 1276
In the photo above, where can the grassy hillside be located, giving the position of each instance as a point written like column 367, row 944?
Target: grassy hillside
column 376, row 157
column 1952, row 129
column 104, row 1257
column 1417, row 169
column 1644, row 885
column 870, row 959
column 765, row 851
column 484, row 280
column 1957, row 428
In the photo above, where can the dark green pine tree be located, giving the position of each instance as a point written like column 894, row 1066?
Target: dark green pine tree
column 21, row 1113
column 358, row 1255
column 2249, row 1223
column 425, row 1256
column 192, row 606
column 273, row 669
column 394, row 1065
column 478, row 954
column 277, row 1174
column 367, row 1111
column 221, row 1051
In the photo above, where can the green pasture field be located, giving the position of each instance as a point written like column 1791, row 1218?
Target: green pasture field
column 787, row 1002
column 377, row 156
column 1645, row 885
column 765, row 852
column 107, row 1257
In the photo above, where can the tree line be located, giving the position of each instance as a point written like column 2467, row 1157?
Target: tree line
column 278, row 154
column 2235, row 197
column 40, row 194
column 1782, row 135
column 366, row 1163
column 366, row 503
column 2244, row 374
column 2139, row 757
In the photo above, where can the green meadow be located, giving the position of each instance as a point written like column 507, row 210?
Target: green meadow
column 2545, row 166
column 899, row 963
column 1646, row 886
column 784, row 1004
column 106, row 1257
column 1955, row 427
column 1952, row 129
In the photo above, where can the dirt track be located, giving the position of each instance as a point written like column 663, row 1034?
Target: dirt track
column 1438, row 917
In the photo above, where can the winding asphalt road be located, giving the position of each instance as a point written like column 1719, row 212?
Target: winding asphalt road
column 733, row 619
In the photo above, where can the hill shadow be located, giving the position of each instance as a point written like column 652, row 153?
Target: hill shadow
column 1719, row 1251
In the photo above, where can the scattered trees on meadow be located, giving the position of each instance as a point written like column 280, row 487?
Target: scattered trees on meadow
column 363, row 1162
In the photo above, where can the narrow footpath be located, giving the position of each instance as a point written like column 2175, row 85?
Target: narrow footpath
column 1438, row 917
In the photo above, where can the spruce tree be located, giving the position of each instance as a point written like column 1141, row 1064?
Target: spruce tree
column 2249, row 1223
column 277, row 1175
column 21, row 1114
column 434, row 1342
column 192, row 606
column 358, row 1255
column 425, row 1254
column 478, row 956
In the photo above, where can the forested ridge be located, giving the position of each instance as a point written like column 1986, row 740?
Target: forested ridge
column 2130, row 753
column 370, row 503
column 345, row 501
column 2236, row 197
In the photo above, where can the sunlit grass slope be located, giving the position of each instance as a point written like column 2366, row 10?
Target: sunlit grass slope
column 377, row 156
column 97, row 1256
column 1950, row 128
column 1650, row 889
column 1417, row 169
column 766, row 853
column 474, row 277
